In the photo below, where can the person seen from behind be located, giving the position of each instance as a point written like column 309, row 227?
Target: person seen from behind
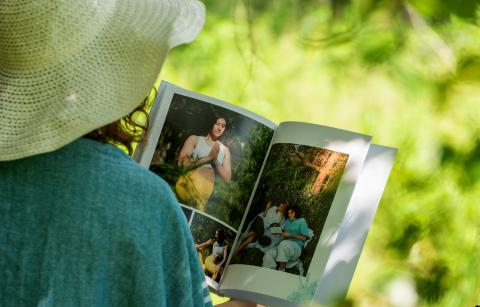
column 81, row 223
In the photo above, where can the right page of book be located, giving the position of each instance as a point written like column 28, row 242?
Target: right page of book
column 294, row 216
column 355, row 226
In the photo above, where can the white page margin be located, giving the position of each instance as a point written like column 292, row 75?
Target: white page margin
column 355, row 226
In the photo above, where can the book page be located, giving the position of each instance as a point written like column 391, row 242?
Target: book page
column 307, row 180
column 355, row 226
column 210, row 153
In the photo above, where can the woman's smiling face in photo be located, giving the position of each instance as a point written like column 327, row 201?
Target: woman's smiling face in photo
column 219, row 127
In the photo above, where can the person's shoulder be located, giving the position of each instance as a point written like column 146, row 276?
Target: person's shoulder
column 225, row 147
column 118, row 174
column 302, row 222
column 144, row 183
column 273, row 210
column 194, row 138
column 145, row 200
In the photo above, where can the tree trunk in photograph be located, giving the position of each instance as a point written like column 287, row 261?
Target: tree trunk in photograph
column 323, row 164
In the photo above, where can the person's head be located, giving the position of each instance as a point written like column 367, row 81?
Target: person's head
column 218, row 127
column 282, row 207
column 294, row 212
column 126, row 131
column 76, row 66
column 219, row 236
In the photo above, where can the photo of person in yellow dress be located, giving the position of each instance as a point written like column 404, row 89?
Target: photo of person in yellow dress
column 205, row 157
column 213, row 264
column 210, row 155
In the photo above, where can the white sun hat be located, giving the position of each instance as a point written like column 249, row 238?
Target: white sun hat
column 68, row 67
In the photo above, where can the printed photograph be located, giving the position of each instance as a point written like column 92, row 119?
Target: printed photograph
column 211, row 157
column 290, row 207
column 213, row 241
column 188, row 212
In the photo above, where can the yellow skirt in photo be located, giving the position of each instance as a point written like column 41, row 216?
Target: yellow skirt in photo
column 194, row 189
column 210, row 267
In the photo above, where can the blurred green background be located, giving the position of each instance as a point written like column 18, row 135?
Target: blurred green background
column 406, row 72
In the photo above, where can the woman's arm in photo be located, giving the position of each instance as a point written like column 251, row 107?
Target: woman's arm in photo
column 204, row 244
column 225, row 169
column 291, row 235
column 184, row 158
column 187, row 150
column 225, row 249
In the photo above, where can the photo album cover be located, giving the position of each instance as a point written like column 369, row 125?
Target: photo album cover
column 279, row 213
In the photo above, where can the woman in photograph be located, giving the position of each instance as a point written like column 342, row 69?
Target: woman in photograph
column 295, row 233
column 204, row 157
column 214, row 262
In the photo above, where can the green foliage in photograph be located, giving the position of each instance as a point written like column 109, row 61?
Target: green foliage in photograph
column 299, row 175
column 229, row 200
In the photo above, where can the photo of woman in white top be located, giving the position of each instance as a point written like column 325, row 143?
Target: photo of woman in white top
column 204, row 157
column 213, row 264
column 210, row 156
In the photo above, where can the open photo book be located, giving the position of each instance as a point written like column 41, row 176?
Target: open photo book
column 279, row 213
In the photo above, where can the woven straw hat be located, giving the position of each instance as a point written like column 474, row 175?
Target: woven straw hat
column 68, row 67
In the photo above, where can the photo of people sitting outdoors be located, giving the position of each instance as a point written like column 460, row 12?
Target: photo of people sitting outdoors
column 295, row 233
column 213, row 242
column 213, row 264
column 290, row 207
column 265, row 227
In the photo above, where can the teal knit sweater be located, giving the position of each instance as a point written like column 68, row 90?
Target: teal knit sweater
column 87, row 226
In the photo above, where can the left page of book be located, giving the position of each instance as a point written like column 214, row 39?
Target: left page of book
column 210, row 152
column 313, row 170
